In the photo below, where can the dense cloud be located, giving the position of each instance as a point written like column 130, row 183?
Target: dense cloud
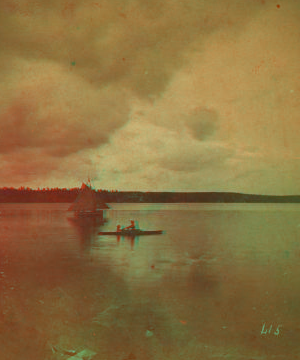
column 51, row 109
column 73, row 72
column 148, row 150
column 25, row 167
column 69, row 69
column 138, row 44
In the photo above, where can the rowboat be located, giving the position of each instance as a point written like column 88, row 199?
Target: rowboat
column 133, row 232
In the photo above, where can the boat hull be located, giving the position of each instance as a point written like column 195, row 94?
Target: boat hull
column 131, row 232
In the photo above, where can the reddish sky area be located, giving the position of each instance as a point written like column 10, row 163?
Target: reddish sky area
column 164, row 95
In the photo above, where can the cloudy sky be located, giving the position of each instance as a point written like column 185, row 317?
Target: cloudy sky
column 190, row 95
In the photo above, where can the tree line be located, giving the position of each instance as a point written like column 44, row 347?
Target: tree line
column 65, row 195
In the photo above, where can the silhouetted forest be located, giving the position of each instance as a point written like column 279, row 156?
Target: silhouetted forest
column 56, row 195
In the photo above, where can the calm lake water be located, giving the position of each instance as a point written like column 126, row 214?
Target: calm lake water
column 223, row 282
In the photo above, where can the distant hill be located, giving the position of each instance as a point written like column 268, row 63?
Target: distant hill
column 27, row 195
column 195, row 197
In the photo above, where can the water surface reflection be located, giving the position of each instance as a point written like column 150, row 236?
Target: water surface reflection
column 203, row 290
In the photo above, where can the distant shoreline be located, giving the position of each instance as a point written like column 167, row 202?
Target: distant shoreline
column 25, row 195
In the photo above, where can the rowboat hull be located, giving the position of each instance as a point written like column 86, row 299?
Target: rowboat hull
column 131, row 232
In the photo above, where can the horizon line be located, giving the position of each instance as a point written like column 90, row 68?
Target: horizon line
column 45, row 189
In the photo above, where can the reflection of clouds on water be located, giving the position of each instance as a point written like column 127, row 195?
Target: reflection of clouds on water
column 129, row 257
column 193, row 285
column 151, row 258
column 136, row 260
column 191, row 293
column 145, row 260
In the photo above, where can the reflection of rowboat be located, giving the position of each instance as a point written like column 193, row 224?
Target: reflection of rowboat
column 133, row 232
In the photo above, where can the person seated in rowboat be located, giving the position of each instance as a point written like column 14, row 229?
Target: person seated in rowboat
column 130, row 227
column 118, row 228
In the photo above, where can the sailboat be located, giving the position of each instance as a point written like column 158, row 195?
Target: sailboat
column 87, row 204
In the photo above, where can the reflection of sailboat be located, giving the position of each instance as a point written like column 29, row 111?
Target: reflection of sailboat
column 87, row 228
column 87, row 204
